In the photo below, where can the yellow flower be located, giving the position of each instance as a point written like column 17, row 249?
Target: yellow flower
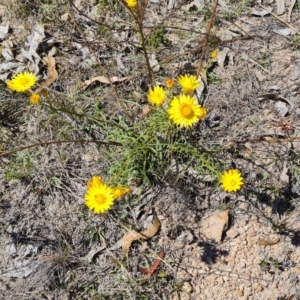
column 95, row 181
column 22, row 82
column 131, row 3
column 185, row 111
column 120, row 192
column 157, row 96
column 188, row 83
column 231, row 180
column 214, row 54
column 169, row 82
column 35, row 99
column 99, row 197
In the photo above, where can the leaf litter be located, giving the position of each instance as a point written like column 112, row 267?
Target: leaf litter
column 250, row 129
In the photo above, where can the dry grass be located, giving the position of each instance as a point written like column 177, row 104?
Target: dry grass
column 46, row 228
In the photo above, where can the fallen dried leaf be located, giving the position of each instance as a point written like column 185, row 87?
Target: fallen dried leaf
column 145, row 111
column 133, row 235
column 104, row 79
column 52, row 73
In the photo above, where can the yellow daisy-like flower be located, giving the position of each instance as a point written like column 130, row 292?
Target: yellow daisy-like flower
column 22, row 82
column 185, row 111
column 35, row 99
column 95, row 181
column 214, row 54
column 188, row 83
column 231, row 180
column 157, row 96
column 120, row 192
column 169, row 82
column 99, row 197
column 131, row 3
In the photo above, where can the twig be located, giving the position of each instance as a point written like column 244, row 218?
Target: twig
column 156, row 263
column 282, row 21
column 138, row 17
column 99, row 64
column 206, row 37
column 82, row 141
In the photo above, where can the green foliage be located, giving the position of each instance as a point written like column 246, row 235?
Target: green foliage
column 264, row 60
column 268, row 265
column 20, row 166
column 155, row 38
column 212, row 78
column 144, row 148
column 294, row 44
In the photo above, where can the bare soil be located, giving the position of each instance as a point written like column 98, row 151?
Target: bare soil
column 52, row 247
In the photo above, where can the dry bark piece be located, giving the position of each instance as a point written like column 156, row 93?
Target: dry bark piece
column 52, row 73
column 4, row 31
column 293, row 2
column 133, row 235
column 212, row 227
column 263, row 242
column 280, row 6
column 284, row 176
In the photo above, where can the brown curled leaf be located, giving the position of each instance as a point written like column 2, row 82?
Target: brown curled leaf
column 133, row 235
column 263, row 242
column 52, row 73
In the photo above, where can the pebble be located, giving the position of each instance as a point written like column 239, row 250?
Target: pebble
column 219, row 280
column 242, row 262
column 232, row 233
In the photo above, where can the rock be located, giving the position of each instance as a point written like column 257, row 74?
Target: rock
column 212, row 226
column 187, row 287
column 232, row 233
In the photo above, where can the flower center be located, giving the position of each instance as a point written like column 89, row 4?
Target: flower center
column 187, row 111
column 23, row 81
column 233, row 182
column 100, row 199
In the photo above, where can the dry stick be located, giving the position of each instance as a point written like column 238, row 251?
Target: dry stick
column 206, row 37
column 82, row 141
column 262, row 138
column 282, row 21
column 99, row 64
column 138, row 17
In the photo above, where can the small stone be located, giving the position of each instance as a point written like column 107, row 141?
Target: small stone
column 244, row 206
column 187, row 287
column 297, row 270
column 220, row 281
column 253, row 218
column 195, row 273
column 211, row 278
column 232, row 233
column 247, row 283
column 259, row 288
column 229, row 259
column 240, row 293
